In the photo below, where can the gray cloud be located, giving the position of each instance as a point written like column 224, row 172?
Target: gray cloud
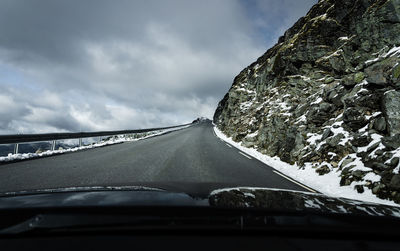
column 104, row 65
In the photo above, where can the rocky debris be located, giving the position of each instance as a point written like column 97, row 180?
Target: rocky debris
column 354, row 118
column 323, row 170
column 391, row 142
column 359, row 188
column 360, row 140
column 380, row 124
column 395, row 182
column 327, row 95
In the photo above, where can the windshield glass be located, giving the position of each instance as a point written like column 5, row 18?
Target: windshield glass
column 242, row 102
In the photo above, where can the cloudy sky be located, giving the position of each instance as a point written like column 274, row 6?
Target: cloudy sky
column 87, row 65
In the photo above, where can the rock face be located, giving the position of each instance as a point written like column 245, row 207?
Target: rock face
column 391, row 108
column 327, row 95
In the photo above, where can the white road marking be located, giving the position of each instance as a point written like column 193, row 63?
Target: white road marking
column 286, row 177
column 245, row 155
column 229, row 145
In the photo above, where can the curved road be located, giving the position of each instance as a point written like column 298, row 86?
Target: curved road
column 191, row 160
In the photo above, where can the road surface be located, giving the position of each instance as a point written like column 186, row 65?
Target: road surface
column 191, row 160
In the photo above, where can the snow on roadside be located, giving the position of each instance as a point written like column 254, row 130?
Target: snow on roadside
column 114, row 140
column 328, row 184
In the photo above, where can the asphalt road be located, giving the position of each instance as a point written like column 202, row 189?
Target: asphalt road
column 191, row 160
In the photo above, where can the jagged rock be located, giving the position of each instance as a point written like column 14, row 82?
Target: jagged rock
column 373, row 146
column 358, row 174
column 379, row 166
column 334, row 94
column 380, row 124
column 329, row 79
column 334, row 141
column 391, row 143
column 395, row 182
column 383, row 158
column 394, row 162
column 378, row 188
column 361, row 140
column 247, row 143
column 396, row 73
column 330, row 75
column 376, row 75
column 238, row 136
column 318, row 115
column 349, row 81
column 353, row 79
column 391, row 109
column 396, row 197
column 388, row 155
column 323, row 170
column 346, row 181
column 327, row 133
column 386, row 177
column 359, row 188
column 354, row 118
column 359, row 77
column 346, row 161
column 381, row 72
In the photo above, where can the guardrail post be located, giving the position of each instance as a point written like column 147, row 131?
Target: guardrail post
column 53, row 145
column 80, row 142
column 16, row 146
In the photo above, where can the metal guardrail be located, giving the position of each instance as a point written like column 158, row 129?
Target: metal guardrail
column 26, row 138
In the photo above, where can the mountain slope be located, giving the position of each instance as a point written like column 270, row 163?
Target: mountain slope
column 327, row 95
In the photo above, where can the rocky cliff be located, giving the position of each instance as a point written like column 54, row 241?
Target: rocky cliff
column 327, row 95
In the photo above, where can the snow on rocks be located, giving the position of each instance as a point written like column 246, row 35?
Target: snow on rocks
column 331, row 104
column 328, row 184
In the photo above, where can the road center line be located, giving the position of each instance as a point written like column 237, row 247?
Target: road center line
column 297, row 183
column 245, row 155
column 228, row 145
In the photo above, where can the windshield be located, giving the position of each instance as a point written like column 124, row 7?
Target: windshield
column 207, row 98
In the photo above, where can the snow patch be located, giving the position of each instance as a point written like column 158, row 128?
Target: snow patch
column 328, row 184
column 395, row 51
column 319, row 100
